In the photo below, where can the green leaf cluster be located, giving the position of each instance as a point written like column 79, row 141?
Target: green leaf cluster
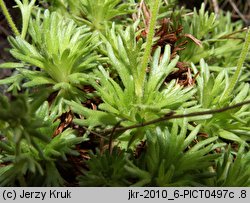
column 94, row 60
column 28, row 152
column 97, row 13
column 62, row 53
column 231, row 125
column 221, row 38
column 105, row 169
column 121, row 102
column 173, row 159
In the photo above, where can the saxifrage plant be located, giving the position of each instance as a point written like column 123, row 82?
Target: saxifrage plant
column 102, row 90
column 28, row 152
column 63, row 52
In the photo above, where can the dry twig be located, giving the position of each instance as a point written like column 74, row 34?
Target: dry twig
column 171, row 116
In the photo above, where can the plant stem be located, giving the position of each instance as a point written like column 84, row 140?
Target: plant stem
column 171, row 116
column 240, row 63
column 9, row 18
column 146, row 56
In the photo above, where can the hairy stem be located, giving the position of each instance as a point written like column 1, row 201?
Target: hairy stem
column 240, row 63
column 146, row 56
column 9, row 18
column 170, row 116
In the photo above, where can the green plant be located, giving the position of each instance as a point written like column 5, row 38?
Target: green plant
column 232, row 169
column 65, row 7
column 28, row 152
column 221, row 38
column 172, row 158
column 97, row 13
column 26, row 9
column 240, row 63
column 119, row 96
column 121, row 103
column 63, row 53
column 105, row 169
column 232, row 125
column 9, row 18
